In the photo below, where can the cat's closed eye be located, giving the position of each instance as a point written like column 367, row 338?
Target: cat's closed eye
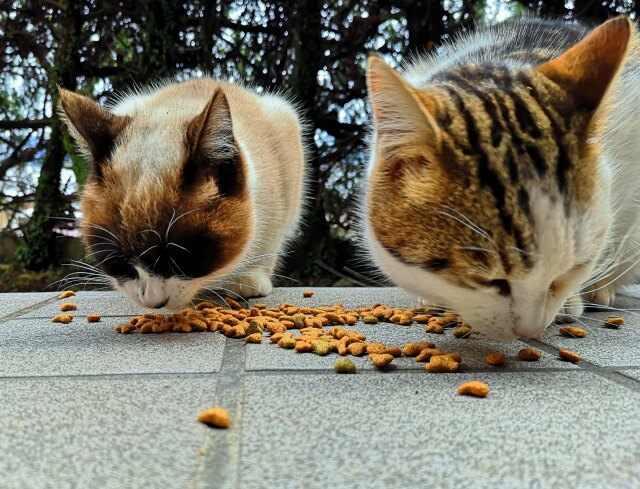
column 503, row 286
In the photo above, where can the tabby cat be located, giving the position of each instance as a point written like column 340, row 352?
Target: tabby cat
column 505, row 170
column 194, row 184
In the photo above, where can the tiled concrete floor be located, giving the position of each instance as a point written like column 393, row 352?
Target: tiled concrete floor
column 81, row 406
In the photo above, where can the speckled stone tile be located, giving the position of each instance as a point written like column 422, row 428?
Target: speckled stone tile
column 10, row 303
column 117, row 304
column 633, row 373
column 605, row 346
column 350, row 297
column 368, row 431
column 103, row 303
column 267, row 356
column 106, row 433
column 32, row 347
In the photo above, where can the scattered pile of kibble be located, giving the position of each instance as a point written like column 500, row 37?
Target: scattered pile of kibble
column 302, row 329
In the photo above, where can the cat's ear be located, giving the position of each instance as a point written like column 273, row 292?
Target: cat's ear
column 212, row 148
column 94, row 128
column 587, row 69
column 403, row 125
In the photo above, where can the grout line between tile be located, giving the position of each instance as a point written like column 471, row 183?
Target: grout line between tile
column 219, row 464
column 16, row 314
column 110, row 376
column 607, row 373
column 314, row 372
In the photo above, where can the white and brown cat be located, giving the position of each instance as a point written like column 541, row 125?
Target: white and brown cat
column 193, row 184
column 505, row 172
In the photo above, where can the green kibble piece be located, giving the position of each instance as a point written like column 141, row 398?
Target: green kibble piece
column 462, row 331
column 344, row 366
column 298, row 320
column 321, row 348
column 287, row 343
column 254, row 327
column 370, row 319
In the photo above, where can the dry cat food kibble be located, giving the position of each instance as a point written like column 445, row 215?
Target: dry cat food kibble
column 529, row 355
column 66, row 294
column 215, row 416
column 426, row 354
column 462, row 331
column 441, row 364
column 573, row 332
column 233, row 304
column 62, row 318
column 344, row 366
column 68, row 306
column 307, row 293
column 381, row 359
column 94, row 318
column 495, row 359
column 253, row 338
column 323, row 330
column 474, row 388
column 613, row 322
column 414, row 349
column 569, row 356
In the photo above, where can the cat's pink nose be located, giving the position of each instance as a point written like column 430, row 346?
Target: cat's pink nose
column 157, row 305
column 527, row 334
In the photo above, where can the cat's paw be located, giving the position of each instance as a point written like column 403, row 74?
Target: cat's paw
column 255, row 285
column 602, row 295
column 573, row 307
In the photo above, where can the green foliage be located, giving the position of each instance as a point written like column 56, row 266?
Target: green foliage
column 14, row 278
column 313, row 50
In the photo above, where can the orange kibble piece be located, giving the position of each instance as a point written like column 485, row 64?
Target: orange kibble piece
column 381, row 359
column 495, row 359
column 441, row 364
column 215, row 416
column 62, row 318
column 233, row 304
column 375, row 347
column 307, row 293
column 426, row 354
column 66, row 294
column 253, row 338
column 614, row 322
column 357, row 349
column 573, row 332
column 68, row 306
column 393, row 350
column 94, row 318
column 422, row 318
column 529, row 355
column 413, row 349
column 569, row 356
column 303, row 346
column 474, row 388
column 434, row 328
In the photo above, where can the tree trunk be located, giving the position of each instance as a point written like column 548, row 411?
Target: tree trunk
column 425, row 24
column 159, row 50
column 38, row 248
